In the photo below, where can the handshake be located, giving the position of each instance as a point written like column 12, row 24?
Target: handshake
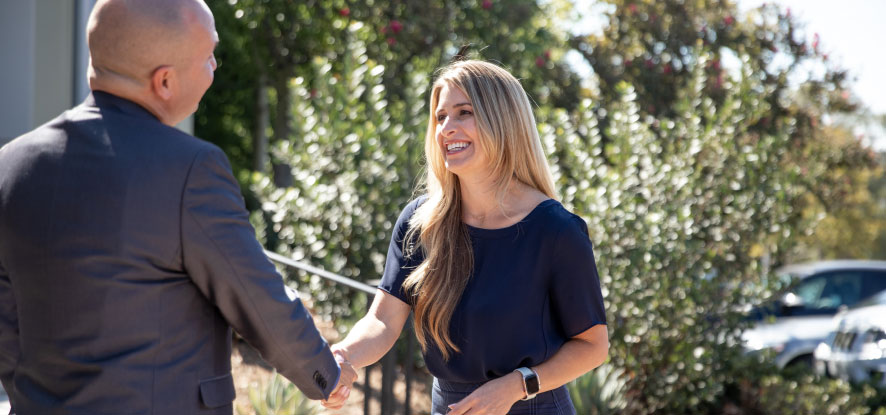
column 348, row 375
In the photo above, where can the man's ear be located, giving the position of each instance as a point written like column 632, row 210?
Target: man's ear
column 163, row 82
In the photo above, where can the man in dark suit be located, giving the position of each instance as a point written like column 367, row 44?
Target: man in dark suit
column 126, row 255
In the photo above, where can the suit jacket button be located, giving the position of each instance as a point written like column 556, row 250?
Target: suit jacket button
column 320, row 380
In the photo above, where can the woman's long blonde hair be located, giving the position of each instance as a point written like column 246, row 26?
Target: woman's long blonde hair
column 507, row 134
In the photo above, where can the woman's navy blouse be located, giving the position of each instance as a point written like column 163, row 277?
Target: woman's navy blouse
column 534, row 286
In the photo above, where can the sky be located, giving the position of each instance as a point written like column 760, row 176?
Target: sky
column 853, row 34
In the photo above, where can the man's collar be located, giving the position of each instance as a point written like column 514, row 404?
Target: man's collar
column 103, row 99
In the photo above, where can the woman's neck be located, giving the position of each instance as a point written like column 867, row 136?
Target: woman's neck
column 482, row 208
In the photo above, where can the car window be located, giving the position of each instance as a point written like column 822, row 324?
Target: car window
column 874, row 282
column 809, row 290
column 828, row 291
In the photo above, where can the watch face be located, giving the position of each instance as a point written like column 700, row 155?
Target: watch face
column 531, row 384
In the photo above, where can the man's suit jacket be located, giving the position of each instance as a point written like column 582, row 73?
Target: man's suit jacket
column 126, row 256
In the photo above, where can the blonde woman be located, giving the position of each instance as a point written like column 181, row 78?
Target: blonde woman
column 501, row 278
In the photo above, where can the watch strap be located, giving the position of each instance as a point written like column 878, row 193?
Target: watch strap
column 531, row 383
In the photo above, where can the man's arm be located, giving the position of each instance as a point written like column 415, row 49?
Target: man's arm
column 9, row 344
column 227, row 263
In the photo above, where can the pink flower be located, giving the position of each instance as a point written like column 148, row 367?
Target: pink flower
column 487, row 4
column 396, row 26
column 345, row 12
column 539, row 61
column 728, row 20
column 547, row 54
column 391, row 41
column 632, row 8
column 815, row 40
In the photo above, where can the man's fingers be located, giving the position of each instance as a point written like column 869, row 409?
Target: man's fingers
column 337, row 398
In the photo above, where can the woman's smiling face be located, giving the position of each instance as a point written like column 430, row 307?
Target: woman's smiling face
column 457, row 133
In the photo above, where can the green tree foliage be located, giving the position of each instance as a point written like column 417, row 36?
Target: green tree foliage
column 687, row 169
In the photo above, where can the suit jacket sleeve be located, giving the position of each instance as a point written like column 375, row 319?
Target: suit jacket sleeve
column 229, row 266
column 9, row 345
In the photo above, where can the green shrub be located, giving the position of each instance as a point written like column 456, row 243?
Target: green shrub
column 599, row 392
column 279, row 397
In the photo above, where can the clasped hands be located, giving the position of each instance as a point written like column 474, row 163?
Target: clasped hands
column 341, row 392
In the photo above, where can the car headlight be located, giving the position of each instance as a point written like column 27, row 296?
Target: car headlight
column 874, row 345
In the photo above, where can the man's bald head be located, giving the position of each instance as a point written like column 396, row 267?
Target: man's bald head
column 157, row 53
column 130, row 38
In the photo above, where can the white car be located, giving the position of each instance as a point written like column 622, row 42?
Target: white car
column 856, row 349
column 795, row 325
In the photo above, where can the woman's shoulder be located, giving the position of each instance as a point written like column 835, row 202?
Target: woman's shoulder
column 408, row 212
column 413, row 205
column 557, row 218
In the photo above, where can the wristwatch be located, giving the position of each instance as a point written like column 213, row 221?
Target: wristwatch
column 531, row 384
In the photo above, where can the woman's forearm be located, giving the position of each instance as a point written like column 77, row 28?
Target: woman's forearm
column 579, row 355
column 376, row 332
column 368, row 341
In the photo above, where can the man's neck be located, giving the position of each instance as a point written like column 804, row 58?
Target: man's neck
column 131, row 91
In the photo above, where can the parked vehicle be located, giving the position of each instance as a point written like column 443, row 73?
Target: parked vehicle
column 794, row 325
column 856, row 349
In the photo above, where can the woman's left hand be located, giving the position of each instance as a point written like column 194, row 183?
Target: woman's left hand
column 493, row 398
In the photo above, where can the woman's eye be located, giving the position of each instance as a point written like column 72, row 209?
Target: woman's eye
column 465, row 112
column 441, row 117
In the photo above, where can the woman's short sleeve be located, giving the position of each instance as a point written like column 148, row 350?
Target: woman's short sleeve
column 575, row 286
column 398, row 266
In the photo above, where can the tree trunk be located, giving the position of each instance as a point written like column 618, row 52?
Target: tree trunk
column 260, row 135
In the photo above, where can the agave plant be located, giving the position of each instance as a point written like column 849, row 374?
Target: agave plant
column 279, row 397
column 599, row 392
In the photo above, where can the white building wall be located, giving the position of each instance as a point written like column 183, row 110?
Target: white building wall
column 43, row 61
column 17, row 52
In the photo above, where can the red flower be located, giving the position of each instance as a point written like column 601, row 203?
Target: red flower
column 547, row 54
column 487, row 4
column 668, row 69
column 396, row 26
column 729, row 20
column 345, row 12
column 539, row 61
column 391, row 41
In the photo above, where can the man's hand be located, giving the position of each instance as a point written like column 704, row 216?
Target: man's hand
column 341, row 392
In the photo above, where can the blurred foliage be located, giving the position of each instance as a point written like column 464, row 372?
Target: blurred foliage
column 694, row 154
column 599, row 392
column 764, row 390
column 278, row 397
column 858, row 229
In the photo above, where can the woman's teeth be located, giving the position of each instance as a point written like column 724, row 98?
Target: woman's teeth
column 456, row 146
